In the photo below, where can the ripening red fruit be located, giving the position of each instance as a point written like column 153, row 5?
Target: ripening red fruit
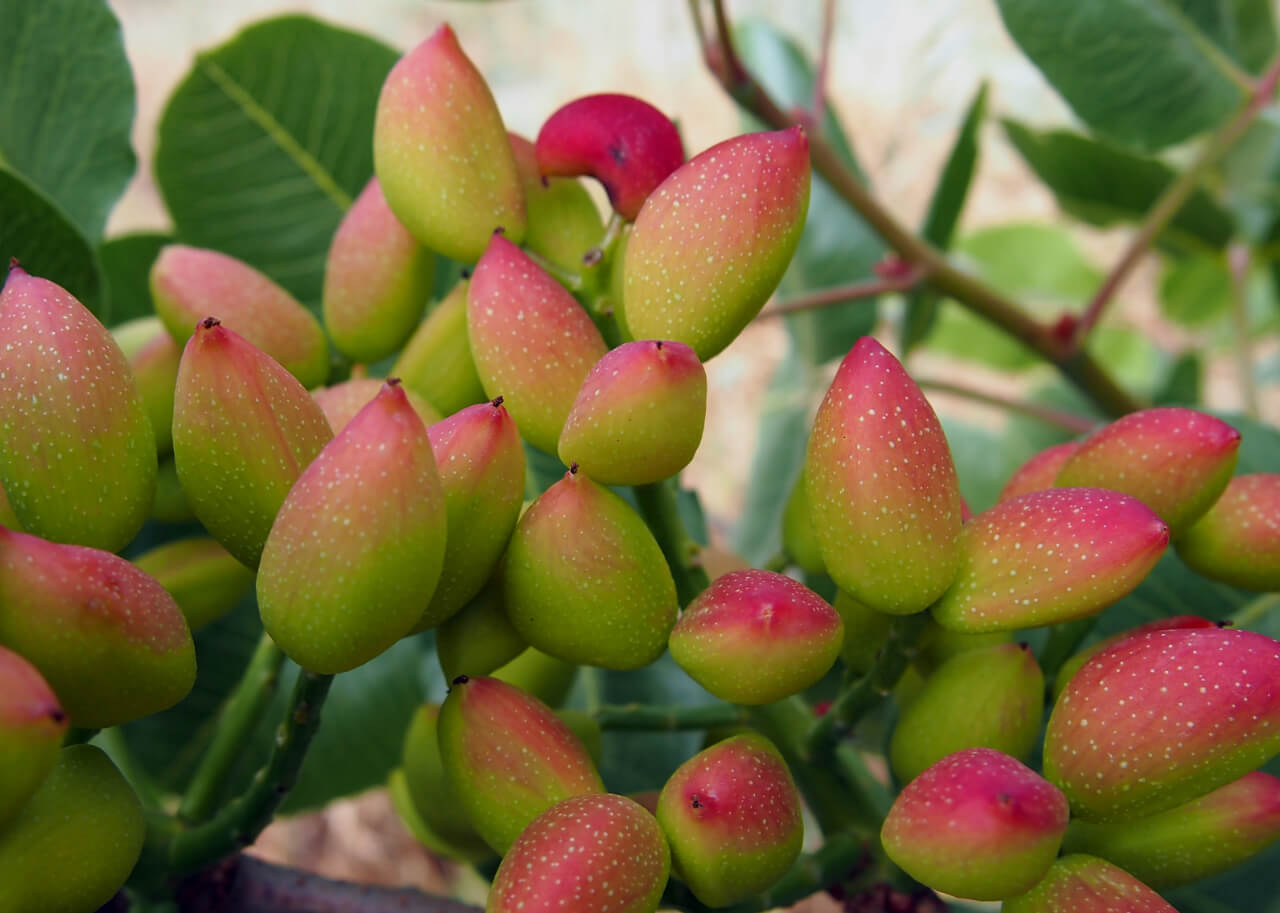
column 342, row 402
column 625, row 143
column 754, row 637
column 1238, row 541
column 882, row 486
column 1039, row 472
column 32, row 724
column 1074, row 662
column 1085, row 884
column 1163, row 717
column 977, row 824
column 586, row 854
column 1176, row 461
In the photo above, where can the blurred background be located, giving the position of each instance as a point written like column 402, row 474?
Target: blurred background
column 900, row 79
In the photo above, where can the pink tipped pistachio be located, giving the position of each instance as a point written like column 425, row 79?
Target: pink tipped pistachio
column 712, row 242
column 153, row 358
column 585, row 580
column 481, row 464
column 32, row 724
column 436, row 362
column 434, row 797
column 625, row 143
column 359, row 542
column 533, row 344
column 1176, row 461
column 203, row 578
column 977, row 824
column 1238, row 541
column 478, row 638
column 545, row 677
column 243, row 430
column 77, row 453
column 1073, row 664
column 1086, row 884
column 190, row 283
column 732, row 816
column 341, row 402
column 1163, row 717
column 441, row 152
column 638, row 416
column 882, row 486
column 754, row 637
column 409, row 815
column 377, row 280
column 1039, row 472
column 1004, row 680
column 74, row 844
column 508, row 757
column 1050, row 556
column 584, row 855
column 107, row 638
column 799, row 540
column 563, row 220
column 1201, row 838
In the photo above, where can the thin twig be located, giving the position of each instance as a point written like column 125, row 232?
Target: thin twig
column 672, row 718
column 1238, row 261
column 1079, row 367
column 1172, row 199
column 1077, row 424
column 661, row 511
column 817, row 108
column 843, row 294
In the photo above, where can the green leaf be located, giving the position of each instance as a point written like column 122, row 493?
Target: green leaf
column 984, row 459
column 126, row 261
column 41, row 237
column 67, row 105
column 1250, row 175
column 1104, row 185
column 1135, row 361
column 837, row 246
column 1195, row 291
column 944, row 212
column 1245, row 29
column 1138, row 71
column 1184, row 383
column 784, row 438
column 266, row 142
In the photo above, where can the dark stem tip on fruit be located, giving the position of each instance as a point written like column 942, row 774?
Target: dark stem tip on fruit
column 393, row 381
column 573, row 469
column 500, row 230
column 1024, row 646
column 1225, row 623
column 466, row 272
column 460, row 680
column 592, row 257
column 657, row 344
column 14, row 263
column 57, row 715
column 694, row 802
column 496, row 402
column 209, row 323
column 546, row 181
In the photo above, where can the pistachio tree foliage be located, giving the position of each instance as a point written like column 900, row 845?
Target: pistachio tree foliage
column 367, row 474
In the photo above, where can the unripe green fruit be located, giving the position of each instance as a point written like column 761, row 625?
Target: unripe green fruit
column 441, row 152
column 107, row 638
column 411, row 818
column 866, row 631
column 481, row 462
column 712, row 242
column 977, row 824
column 638, row 417
column 1238, row 541
column 533, row 344
column 732, row 816
column 204, row 578
column 1086, row 884
column 755, row 637
column 153, row 358
column 799, row 540
column 882, row 486
column 8, row 518
column 189, row 284
column 585, row 580
column 508, row 757
column 342, row 402
column 32, row 724
column 545, row 677
column 436, row 362
column 563, row 220
column 1201, row 838
column 434, row 798
column 359, row 542
column 478, row 638
column 587, row 728
column 243, row 431
column 1176, row 461
column 938, row 644
column 74, row 844
column 170, row 504
column 377, row 280
column 586, row 854
column 77, row 453
column 987, row 698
